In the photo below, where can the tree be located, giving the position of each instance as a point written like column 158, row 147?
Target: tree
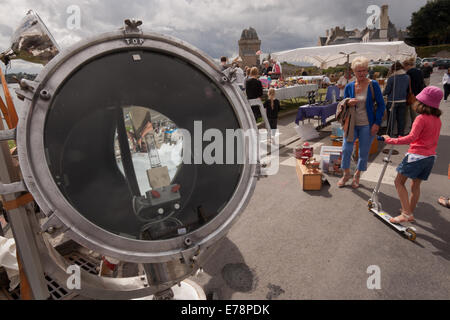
column 430, row 25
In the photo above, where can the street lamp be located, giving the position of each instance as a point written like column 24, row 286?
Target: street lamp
column 348, row 60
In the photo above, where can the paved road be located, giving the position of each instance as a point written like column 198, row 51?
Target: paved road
column 291, row 244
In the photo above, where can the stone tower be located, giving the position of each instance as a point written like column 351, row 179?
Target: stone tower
column 249, row 44
column 384, row 22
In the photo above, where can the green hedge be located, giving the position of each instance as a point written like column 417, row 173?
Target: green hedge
column 429, row 51
column 335, row 70
column 382, row 70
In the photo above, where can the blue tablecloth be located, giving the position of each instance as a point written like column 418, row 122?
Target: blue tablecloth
column 308, row 111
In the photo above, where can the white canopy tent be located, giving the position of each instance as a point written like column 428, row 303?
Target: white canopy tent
column 331, row 56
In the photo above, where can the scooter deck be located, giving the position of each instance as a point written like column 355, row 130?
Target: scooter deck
column 386, row 217
column 409, row 232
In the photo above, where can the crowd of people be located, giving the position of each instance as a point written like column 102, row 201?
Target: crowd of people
column 361, row 113
column 248, row 81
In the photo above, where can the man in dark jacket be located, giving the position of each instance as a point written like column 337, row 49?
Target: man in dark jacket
column 417, row 82
column 427, row 70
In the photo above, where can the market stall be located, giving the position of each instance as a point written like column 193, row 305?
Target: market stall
column 295, row 91
column 292, row 88
column 330, row 56
column 322, row 112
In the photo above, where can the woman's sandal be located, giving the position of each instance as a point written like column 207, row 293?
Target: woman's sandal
column 355, row 182
column 341, row 183
column 445, row 202
column 402, row 218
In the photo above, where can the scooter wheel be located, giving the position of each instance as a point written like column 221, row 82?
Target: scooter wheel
column 410, row 234
column 370, row 204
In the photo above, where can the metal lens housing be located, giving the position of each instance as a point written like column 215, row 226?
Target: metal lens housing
column 77, row 149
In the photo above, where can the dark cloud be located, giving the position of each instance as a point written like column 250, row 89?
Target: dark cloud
column 215, row 26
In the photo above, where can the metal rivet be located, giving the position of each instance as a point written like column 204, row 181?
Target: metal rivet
column 45, row 95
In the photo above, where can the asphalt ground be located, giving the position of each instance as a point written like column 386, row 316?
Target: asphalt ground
column 293, row 244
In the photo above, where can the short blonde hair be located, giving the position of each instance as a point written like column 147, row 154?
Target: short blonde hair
column 271, row 92
column 360, row 62
column 254, row 71
column 409, row 62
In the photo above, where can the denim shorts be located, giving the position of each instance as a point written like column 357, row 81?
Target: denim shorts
column 420, row 169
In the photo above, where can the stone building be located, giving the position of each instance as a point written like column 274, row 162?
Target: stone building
column 249, row 44
column 340, row 36
column 385, row 32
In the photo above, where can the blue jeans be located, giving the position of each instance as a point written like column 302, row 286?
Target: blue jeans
column 365, row 141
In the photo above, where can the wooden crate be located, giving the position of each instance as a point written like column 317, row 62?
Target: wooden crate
column 335, row 143
column 309, row 180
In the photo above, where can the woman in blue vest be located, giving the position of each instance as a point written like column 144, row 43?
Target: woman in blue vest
column 397, row 96
column 367, row 118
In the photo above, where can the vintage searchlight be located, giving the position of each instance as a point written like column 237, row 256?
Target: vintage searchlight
column 99, row 150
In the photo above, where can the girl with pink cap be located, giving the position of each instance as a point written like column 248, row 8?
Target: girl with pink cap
column 419, row 160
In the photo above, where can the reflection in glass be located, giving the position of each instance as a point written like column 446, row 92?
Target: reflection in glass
column 154, row 145
column 100, row 155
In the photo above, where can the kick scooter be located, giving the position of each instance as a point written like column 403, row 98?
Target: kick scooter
column 375, row 205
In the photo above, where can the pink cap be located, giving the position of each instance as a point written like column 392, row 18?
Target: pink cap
column 431, row 96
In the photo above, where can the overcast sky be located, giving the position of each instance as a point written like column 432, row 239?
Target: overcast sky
column 211, row 25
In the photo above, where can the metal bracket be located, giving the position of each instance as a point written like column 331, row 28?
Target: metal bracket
column 6, row 135
column 189, row 253
column 229, row 75
column 12, row 187
column 27, row 89
column 132, row 26
column 53, row 223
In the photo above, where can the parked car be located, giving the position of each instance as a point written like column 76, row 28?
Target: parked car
column 386, row 64
column 442, row 64
column 432, row 60
column 418, row 62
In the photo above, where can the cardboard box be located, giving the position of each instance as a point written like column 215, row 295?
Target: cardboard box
column 309, row 179
column 327, row 150
column 334, row 165
column 325, row 154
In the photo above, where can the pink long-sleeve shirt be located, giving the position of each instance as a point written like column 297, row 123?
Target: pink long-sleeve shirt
column 424, row 136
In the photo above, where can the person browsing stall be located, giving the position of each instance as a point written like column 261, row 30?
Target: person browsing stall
column 272, row 108
column 446, row 84
column 419, row 161
column 358, row 95
column 417, row 83
column 224, row 63
column 427, row 70
column 343, row 81
column 254, row 90
column 267, row 68
column 397, row 94
column 276, row 69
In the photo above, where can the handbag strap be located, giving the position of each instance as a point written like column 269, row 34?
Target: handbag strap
column 373, row 97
